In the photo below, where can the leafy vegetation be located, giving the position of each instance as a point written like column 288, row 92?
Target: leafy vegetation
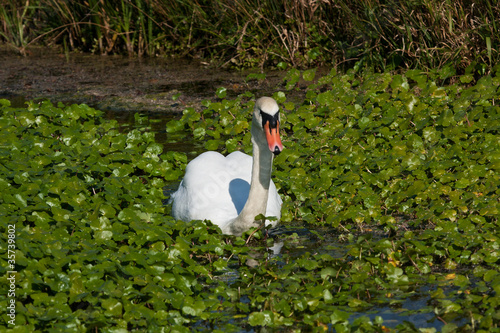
column 395, row 176
column 398, row 156
column 379, row 34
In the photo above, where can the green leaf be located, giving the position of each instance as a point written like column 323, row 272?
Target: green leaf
column 467, row 78
column 194, row 308
column 221, row 92
column 327, row 271
column 113, row 307
column 260, row 318
column 174, row 126
column 309, row 74
column 212, row 144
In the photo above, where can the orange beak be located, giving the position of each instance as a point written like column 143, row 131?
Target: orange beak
column 273, row 138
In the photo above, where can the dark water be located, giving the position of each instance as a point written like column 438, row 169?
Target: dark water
column 120, row 83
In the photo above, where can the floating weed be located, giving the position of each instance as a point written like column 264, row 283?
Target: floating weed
column 94, row 247
column 398, row 157
column 396, row 176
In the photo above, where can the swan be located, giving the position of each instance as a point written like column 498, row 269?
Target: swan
column 231, row 191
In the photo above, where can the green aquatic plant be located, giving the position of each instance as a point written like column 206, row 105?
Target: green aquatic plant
column 374, row 147
column 93, row 246
column 390, row 187
column 396, row 155
column 16, row 17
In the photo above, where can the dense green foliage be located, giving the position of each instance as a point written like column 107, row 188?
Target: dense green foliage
column 398, row 175
column 395, row 154
column 363, row 150
column 247, row 33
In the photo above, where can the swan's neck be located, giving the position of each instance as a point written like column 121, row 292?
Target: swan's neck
column 259, row 186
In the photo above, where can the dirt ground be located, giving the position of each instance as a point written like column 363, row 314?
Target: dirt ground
column 120, row 83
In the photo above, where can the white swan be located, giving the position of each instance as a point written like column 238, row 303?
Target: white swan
column 231, row 191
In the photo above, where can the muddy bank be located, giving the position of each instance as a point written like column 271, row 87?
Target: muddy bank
column 121, row 83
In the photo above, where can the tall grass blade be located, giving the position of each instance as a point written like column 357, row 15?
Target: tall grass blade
column 488, row 48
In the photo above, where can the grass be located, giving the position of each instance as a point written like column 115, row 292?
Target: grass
column 382, row 35
column 15, row 15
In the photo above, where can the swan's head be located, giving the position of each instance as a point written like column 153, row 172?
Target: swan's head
column 266, row 113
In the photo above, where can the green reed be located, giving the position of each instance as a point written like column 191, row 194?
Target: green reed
column 377, row 34
column 14, row 19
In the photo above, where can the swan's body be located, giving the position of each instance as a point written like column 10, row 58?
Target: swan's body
column 231, row 191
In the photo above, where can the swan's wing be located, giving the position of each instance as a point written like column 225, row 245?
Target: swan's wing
column 204, row 193
column 216, row 188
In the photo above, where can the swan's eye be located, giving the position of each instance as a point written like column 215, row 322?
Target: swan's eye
column 273, row 120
